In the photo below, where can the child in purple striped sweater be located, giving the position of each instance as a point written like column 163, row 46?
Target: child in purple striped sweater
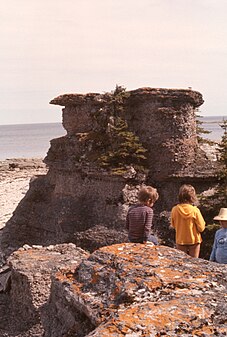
column 139, row 217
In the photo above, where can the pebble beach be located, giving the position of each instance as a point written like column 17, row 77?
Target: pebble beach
column 15, row 175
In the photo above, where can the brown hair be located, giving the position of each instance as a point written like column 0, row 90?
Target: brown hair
column 148, row 193
column 187, row 194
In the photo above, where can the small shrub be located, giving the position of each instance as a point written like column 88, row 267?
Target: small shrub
column 208, row 239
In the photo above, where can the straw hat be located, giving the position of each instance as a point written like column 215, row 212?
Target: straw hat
column 222, row 214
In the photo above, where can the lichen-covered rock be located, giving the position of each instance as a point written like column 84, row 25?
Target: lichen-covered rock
column 140, row 290
column 32, row 268
column 99, row 236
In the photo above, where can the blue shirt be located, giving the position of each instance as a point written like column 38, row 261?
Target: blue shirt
column 219, row 250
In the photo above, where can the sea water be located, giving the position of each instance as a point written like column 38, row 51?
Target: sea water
column 213, row 125
column 33, row 140
column 28, row 140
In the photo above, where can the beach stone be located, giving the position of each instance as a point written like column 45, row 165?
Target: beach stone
column 211, row 151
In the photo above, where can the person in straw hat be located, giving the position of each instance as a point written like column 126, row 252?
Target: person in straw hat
column 219, row 250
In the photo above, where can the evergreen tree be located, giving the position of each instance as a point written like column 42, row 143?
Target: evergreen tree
column 124, row 150
column 119, row 147
column 222, row 187
column 211, row 205
column 200, row 130
column 214, row 202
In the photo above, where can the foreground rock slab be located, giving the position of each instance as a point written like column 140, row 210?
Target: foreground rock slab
column 32, row 268
column 139, row 290
column 124, row 289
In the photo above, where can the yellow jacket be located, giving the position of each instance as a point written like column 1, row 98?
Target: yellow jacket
column 188, row 223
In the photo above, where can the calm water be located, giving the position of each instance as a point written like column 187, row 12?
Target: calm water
column 212, row 124
column 33, row 140
column 28, row 140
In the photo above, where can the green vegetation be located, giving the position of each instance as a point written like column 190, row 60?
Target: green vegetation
column 201, row 131
column 222, row 188
column 219, row 198
column 212, row 204
column 114, row 146
column 208, row 239
column 124, row 150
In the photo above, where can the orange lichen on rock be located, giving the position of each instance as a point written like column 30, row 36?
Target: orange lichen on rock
column 120, row 290
column 141, row 290
column 163, row 318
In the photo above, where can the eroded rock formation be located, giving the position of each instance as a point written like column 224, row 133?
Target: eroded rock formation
column 163, row 119
column 82, row 194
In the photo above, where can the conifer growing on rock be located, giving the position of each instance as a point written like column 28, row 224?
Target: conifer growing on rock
column 211, row 205
column 221, row 192
column 222, row 188
column 119, row 147
column 219, row 198
column 201, row 131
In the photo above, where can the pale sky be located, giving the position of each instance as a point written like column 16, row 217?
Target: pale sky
column 53, row 47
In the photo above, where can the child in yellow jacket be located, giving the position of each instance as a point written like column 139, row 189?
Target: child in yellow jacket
column 188, row 222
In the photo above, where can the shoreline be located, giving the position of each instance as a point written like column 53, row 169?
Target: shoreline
column 15, row 175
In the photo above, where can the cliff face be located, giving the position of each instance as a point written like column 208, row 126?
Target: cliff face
column 92, row 179
column 120, row 290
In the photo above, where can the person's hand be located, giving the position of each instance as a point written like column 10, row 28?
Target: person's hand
column 148, row 243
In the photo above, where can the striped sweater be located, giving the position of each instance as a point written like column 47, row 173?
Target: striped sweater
column 139, row 222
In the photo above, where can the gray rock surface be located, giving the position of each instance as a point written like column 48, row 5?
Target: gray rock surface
column 31, row 270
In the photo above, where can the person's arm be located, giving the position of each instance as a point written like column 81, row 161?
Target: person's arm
column 147, row 225
column 212, row 255
column 200, row 223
